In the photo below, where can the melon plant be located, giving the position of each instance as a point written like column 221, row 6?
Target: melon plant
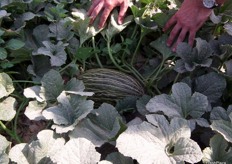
column 75, row 94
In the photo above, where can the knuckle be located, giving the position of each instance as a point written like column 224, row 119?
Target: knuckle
column 181, row 38
column 109, row 4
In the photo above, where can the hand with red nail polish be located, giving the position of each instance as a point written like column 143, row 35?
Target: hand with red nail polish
column 107, row 6
column 187, row 21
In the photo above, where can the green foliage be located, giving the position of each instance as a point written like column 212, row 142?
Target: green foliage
column 191, row 58
column 181, row 103
column 217, row 151
column 160, row 140
column 6, row 85
column 47, row 46
column 69, row 112
column 223, row 124
column 100, row 126
column 3, row 150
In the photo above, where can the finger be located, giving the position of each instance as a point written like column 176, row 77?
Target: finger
column 180, row 39
column 104, row 17
column 122, row 12
column 170, row 23
column 191, row 38
column 173, row 34
column 96, row 11
column 94, row 4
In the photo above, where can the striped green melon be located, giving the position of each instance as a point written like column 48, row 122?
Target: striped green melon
column 110, row 85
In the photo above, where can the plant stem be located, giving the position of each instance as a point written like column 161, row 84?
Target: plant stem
column 83, row 64
column 96, row 55
column 154, row 71
column 136, row 49
column 21, row 107
column 143, row 33
column 137, row 74
column 25, row 81
column 157, row 90
column 157, row 73
column 17, row 96
column 112, row 58
column 134, row 32
column 65, row 67
column 9, row 132
column 177, row 77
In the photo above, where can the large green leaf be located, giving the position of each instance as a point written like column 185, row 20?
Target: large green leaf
column 52, row 85
column 219, row 113
column 56, row 52
column 211, row 85
column 101, row 125
column 192, row 57
column 181, row 103
column 47, row 145
column 7, row 109
column 33, row 92
column 14, row 44
column 141, row 104
column 16, row 154
column 159, row 143
column 61, row 30
column 6, row 85
column 223, row 125
column 78, row 150
column 55, row 12
column 74, row 85
column 84, row 53
column 40, row 33
column 71, row 109
column 137, row 11
column 28, row 16
column 3, row 53
column 127, row 104
column 40, row 66
column 161, row 46
column 3, row 150
column 219, row 151
column 118, row 158
column 34, row 110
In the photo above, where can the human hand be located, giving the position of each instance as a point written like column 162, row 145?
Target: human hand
column 107, row 6
column 187, row 21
